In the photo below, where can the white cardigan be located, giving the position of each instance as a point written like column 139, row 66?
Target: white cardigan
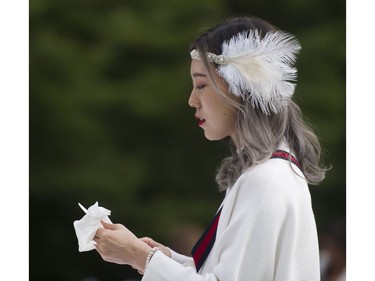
column 266, row 232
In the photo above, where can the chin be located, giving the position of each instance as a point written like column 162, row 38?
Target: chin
column 213, row 138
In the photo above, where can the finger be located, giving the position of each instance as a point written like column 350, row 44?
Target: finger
column 99, row 232
column 108, row 225
column 144, row 239
column 147, row 240
column 112, row 226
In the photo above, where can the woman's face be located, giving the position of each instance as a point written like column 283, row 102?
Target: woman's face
column 215, row 117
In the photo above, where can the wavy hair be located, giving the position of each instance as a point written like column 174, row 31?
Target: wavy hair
column 259, row 134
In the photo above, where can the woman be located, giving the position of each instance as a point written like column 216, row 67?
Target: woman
column 242, row 72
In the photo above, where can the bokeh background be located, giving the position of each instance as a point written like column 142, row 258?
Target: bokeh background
column 109, row 120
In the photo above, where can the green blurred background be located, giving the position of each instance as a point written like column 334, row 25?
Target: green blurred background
column 109, row 120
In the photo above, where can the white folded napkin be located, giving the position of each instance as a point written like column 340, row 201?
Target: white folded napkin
column 86, row 227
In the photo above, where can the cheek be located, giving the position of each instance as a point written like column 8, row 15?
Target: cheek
column 231, row 117
column 229, row 114
column 225, row 122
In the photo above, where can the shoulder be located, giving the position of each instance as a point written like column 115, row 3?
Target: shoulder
column 271, row 194
column 275, row 172
column 273, row 184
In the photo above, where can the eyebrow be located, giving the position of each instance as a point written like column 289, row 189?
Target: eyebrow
column 197, row 74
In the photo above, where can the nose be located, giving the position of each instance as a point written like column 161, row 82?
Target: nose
column 193, row 100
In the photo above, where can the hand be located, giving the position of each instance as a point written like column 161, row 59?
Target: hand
column 166, row 251
column 115, row 243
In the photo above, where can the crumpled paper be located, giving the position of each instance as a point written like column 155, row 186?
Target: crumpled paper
column 86, row 227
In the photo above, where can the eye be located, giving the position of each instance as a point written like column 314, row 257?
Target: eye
column 200, row 87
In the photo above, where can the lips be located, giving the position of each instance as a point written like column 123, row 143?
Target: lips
column 200, row 120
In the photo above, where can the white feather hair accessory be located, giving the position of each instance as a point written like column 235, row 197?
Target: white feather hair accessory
column 258, row 69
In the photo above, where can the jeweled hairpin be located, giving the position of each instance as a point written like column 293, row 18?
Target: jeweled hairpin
column 218, row 59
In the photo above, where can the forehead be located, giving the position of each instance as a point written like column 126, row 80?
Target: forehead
column 197, row 69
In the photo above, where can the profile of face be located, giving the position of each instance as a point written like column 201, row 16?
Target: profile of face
column 215, row 117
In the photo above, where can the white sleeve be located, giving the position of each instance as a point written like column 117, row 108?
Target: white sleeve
column 163, row 268
column 182, row 259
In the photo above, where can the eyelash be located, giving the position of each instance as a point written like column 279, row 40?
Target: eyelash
column 200, row 87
